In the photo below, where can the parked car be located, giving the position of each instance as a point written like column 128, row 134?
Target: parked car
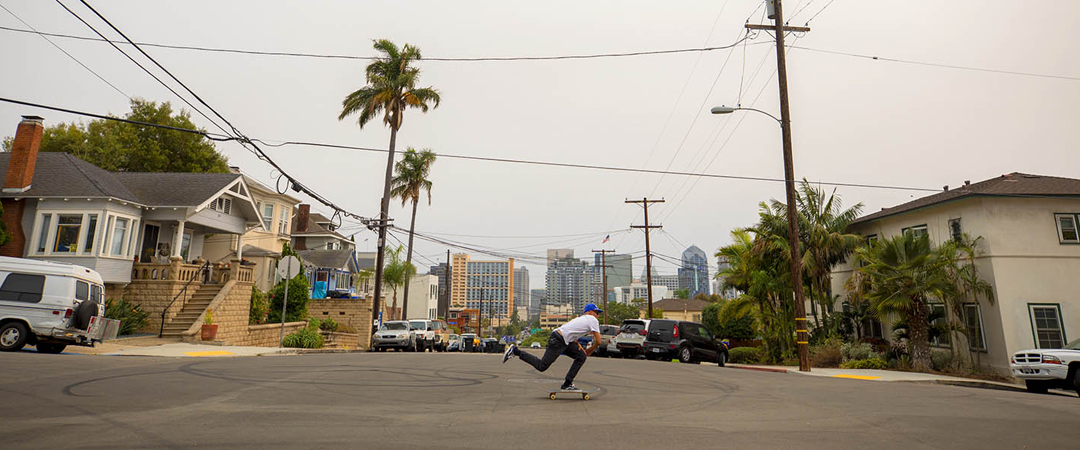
column 453, row 343
column 534, row 345
column 430, row 334
column 690, row 342
column 631, row 338
column 397, row 334
column 51, row 305
column 607, row 340
column 1042, row 369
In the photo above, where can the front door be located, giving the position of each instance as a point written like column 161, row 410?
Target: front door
column 149, row 243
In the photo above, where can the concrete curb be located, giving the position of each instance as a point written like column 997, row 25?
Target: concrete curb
column 971, row 383
column 756, row 368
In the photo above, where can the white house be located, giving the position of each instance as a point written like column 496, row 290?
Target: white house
column 423, row 297
column 1031, row 257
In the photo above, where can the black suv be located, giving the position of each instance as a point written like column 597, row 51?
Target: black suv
column 691, row 342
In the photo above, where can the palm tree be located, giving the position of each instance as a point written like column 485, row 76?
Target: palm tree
column 391, row 88
column 905, row 273
column 969, row 287
column 397, row 274
column 411, row 178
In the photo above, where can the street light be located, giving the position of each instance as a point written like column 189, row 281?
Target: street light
column 801, row 331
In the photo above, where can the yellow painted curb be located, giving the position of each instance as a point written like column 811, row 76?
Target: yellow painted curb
column 856, row 377
column 210, row 353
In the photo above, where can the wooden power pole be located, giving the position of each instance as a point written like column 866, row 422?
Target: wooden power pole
column 648, row 251
column 603, row 275
column 802, row 333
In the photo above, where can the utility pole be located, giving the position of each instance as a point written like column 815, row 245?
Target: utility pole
column 802, row 333
column 648, row 251
column 603, row 275
column 449, row 284
column 381, row 223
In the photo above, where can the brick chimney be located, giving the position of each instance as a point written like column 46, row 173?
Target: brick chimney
column 303, row 213
column 24, row 151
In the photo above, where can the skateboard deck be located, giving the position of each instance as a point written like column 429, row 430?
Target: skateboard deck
column 584, row 393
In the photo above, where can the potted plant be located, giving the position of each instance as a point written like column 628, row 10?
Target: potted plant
column 209, row 328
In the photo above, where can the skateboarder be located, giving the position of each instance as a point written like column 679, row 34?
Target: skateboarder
column 563, row 341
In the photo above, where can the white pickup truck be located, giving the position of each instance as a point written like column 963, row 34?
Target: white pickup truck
column 1046, row 368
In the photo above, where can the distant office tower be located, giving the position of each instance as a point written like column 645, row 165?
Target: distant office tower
column 694, row 273
column 444, row 288
column 619, row 273
column 624, row 294
column 569, row 281
column 487, row 286
column 536, row 301
column 559, row 253
column 725, row 292
column 521, row 288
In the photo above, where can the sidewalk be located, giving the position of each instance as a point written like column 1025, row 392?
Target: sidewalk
column 887, row 375
column 154, row 346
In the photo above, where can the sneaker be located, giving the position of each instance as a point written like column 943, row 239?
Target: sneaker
column 509, row 353
column 570, row 387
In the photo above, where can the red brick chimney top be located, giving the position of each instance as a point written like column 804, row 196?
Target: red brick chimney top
column 302, row 215
column 24, row 150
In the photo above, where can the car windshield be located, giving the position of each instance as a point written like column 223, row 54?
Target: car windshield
column 394, row 326
column 1074, row 345
column 418, row 324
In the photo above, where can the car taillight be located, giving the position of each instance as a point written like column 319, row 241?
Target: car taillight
column 643, row 332
column 70, row 312
column 1048, row 359
column 675, row 332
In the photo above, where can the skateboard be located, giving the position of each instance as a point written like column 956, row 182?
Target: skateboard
column 584, row 393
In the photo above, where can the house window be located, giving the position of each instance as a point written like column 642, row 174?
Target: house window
column 1046, row 324
column 91, row 230
column 955, row 231
column 940, row 323
column 283, row 220
column 67, row 233
column 268, row 215
column 917, row 230
column 1067, row 230
column 222, row 205
column 44, row 236
column 973, row 322
column 119, row 236
column 185, row 245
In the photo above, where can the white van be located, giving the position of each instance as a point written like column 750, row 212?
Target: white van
column 51, row 305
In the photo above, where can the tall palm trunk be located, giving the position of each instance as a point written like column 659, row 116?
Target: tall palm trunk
column 408, row 262
column 384, row 213
column 920, row 336
column 393, row 309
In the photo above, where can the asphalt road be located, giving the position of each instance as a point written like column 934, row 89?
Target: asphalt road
column 435, row 401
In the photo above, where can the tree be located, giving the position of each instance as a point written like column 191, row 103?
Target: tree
column 618, row 312
column 296, row 308
column 126, row 147
column 391, row 88
column 904, row 274
column 640, row 305
column 411, row 178
column 397, row 274
column 969, row 287
column 682, row 293
column 710, row 317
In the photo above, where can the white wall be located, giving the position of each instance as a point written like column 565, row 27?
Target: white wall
column 423, row 296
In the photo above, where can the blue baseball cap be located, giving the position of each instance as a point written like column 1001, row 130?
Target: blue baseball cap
column 592, row 307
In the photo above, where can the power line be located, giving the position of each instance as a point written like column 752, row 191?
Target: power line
column 337, row 209
column 369, row 58
column 212, row 136
column 69, row 55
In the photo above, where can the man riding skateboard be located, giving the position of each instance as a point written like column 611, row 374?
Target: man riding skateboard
column 563, row 341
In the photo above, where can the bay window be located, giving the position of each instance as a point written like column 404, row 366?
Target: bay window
column 65, row 233
column 267, row 215
column 283, row 220
column 119, row 236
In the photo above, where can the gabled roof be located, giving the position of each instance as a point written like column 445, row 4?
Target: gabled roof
column 680, row 304
column 327, row 258
column 64, row 175
column 1015, row 184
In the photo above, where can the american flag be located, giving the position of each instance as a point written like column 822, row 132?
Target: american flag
column 606, row 238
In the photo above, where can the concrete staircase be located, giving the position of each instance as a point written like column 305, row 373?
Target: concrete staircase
column 193, row 308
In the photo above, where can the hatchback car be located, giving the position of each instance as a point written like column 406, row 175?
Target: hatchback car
column 690, row 342
column 631, row 338
column 607, row 340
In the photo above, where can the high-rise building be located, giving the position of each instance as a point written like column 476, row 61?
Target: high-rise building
column 487, row 286
column 444, row 288
column 537, row 300
column 624, row 294
column 694, row 273
column 619, row 273
column 559, row 253
column 521, row 288
column 569, row 281
column 725, row 292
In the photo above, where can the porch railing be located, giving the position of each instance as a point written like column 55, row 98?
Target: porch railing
column 191, row 275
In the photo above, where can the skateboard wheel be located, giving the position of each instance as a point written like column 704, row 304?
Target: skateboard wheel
column 585, row 396
column 551, row 396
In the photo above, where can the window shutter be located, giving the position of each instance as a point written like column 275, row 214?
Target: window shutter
column 227, row 208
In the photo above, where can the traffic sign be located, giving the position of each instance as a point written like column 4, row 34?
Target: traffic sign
column 288, row 267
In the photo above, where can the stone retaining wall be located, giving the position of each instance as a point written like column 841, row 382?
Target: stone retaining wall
column 267, row 335
column 353, row 312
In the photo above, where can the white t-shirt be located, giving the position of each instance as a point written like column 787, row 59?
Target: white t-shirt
column 578, row 327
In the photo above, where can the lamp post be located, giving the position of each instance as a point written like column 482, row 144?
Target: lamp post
column 802, row 334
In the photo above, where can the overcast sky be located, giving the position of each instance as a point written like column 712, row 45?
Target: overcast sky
column 855, row 120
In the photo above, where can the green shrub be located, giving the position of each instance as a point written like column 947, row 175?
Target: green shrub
column 735, row 324
column 541, row 336
column 260, row 306
column 858, row 351
column 306, row 337
column 872, row 363
column 314, row 324
column 296, row 308
column 941, row 359
column 745, row 355
column 131, row 316
column 827, row 354
column 328, row 325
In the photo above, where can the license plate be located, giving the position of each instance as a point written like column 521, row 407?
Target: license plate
column 655, row 350
column 1029, row 371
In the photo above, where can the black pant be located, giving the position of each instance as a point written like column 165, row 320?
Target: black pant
column 557, row 347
